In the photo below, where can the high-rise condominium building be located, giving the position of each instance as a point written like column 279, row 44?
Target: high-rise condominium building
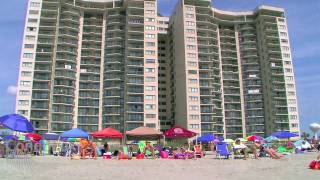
column 118, row 63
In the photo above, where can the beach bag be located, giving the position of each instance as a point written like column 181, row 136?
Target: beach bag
column 314, row 165
column 164, row 155
column 140, row 156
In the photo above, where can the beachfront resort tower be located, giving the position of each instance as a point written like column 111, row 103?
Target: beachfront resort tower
column 232, row 71
column 89, row 64
column 119, row 63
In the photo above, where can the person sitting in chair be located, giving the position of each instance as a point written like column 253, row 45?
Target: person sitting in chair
column 239, row 147
column 149, row 149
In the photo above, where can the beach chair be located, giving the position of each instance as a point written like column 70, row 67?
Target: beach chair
column 222, row 151
column 198, row 153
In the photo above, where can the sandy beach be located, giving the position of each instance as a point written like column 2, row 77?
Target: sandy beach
column 59, row 168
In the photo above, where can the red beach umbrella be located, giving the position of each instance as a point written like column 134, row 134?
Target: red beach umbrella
column 107, row 133
column 254, row 137
column 34, row 136
column 179, row 132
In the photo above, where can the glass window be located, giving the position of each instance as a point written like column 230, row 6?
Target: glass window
column 150, row 88
column 150, row 70
column 150, row 44
column 150, row 97
column 150, row 60
column 26, row 73
column 194, row 90
column 150, row 79
column 29, row 46
column 27, row 64
column 150, row 106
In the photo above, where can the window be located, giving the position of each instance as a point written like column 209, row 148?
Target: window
column 150, row 70
column 280, row 19
column 150, row 4
column 149, row 116
column 192, row 63
column 191, row 31
column 24, row 93
column 150, row 44
column 191, row 47
column 27, row 64
column 33, row 12
column 288, row 70
column 150, row 60
column 189, row 8
column 283, row 27
column 286, row 55
column 150, row 88
column 285, row 48
column 194, row 117
column 150, row 20
column 291, row 93
column 31, row 29
column 23, row 112
column 194, row 126
column 193, row 81
column 191, row 39
column 289, row 78
column 150, row 106
column 292, row 109
column 290, row 85
column 28, row 55
column 34, row 4
column 294, row 125
column 150, row 12
column 25, row 83
column 30, row 38
column 150, row 28
column 150, row 52
column 193, row 98
column 23, row 102
column 188, row 15
column 150, row 79
column 32, row 20
column 26, row 73
column 194, row 108
column 284, row 41
column 191, row 55
column 150, row 97
column 293, row 117
column 193, row 90
column 152, row 36
column 192, row 72
column 284, row 34
column 190, row 23
column 29, row 46
column 287, row 62
column 292, row 101
column 151, row 125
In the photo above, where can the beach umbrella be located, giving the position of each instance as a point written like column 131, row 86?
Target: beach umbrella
column 34, row 136
column 284, row 135
column 16, row 122
column 206, row 138
column 10, row 137
column 51, row 136
column 107, row 133
column 73, row 139
column 75, row 133
column 179, row 132
column 228, row 141
column 271, row 139
column 254, row 137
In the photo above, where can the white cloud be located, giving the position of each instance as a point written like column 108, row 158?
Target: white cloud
column 12, row 90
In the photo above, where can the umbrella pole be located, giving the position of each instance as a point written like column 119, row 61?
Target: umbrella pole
column 164, row 140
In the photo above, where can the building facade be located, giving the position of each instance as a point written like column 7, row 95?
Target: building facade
column 118, row 63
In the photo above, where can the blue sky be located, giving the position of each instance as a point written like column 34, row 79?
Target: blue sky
column 304, row 28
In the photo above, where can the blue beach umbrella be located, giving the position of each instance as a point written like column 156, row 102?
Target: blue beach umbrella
column 75, row 133
column 271, row 139
column 16, row 122
column 206, row 138
column 10, row 137
column 284, row 135
column 51, row 136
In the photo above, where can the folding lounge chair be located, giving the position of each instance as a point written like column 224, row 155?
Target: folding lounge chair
column 222, row 151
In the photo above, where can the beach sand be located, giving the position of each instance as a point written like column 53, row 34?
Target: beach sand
column 292, row 167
